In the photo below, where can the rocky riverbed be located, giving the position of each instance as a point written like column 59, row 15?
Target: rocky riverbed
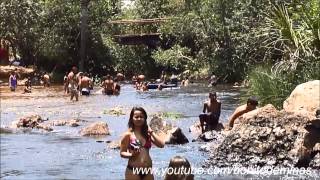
column 269, row 137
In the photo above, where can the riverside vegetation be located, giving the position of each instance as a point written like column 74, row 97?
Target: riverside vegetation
column 273, row 44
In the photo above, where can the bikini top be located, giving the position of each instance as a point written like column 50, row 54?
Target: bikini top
column 134, row 142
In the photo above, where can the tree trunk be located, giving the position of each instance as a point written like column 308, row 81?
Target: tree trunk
column 84, row 28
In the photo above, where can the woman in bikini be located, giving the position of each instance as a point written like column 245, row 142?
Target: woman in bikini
column 135, row 145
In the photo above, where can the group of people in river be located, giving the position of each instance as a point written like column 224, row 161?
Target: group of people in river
column 14, row 76
column 79, row 83
column 209, row 119
column 163, row 82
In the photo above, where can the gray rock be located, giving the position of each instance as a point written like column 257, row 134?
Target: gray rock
column 177, row 137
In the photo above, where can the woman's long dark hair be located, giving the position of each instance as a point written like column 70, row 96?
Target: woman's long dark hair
column 144, row 128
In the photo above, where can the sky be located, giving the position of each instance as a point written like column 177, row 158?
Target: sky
column 127, row 3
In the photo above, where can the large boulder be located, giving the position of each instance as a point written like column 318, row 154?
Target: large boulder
column 95, row 129
column 170, row 134
column 263, row 137
column 304, row 98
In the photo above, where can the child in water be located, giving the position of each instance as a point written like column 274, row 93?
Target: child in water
column 28, row 83
column 136, row 143
column 179, row 169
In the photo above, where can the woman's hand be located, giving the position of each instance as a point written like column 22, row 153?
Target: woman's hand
column 155, row 138
column 135, row 152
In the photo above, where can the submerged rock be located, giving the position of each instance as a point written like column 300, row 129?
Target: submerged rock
column 33, row 121
column 171, row 135
column 71, row 123
column 95, row 129
column 4, row 130
column 211, row 136
column 113, row 145
column 195, row 129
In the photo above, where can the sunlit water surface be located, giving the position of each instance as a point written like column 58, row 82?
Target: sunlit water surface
column 64, row 154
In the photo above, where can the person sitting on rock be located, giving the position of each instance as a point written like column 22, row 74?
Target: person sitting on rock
column 136, row 143
column 252, row 103
column 209, row 119
column 179, row 169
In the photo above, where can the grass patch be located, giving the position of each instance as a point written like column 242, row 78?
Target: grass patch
column 172, row 115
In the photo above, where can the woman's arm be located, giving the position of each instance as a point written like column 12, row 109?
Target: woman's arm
column 156, row 139
column 124, row 151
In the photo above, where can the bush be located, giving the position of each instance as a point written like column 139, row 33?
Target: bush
column 270, row 87
column 274, row 85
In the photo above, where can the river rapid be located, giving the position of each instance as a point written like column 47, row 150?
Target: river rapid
column 64, row 154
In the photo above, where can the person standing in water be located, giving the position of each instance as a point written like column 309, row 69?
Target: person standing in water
column 213, row 80
column 46, row 80
column 209, row 119
column 116, row 87
column 108, row 85
column 73, row 84
column 13, row 82
column 85, row 85
column 136, row 143
column 65, row 83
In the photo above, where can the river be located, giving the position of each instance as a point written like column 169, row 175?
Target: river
column 64, row 154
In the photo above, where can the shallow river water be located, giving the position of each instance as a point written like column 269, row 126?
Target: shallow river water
column 64, row 154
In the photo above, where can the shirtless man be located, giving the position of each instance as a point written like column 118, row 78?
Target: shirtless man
column 185, row 82
column 85, row 84
column 252, row 103
column 73, row 83
column 108, row 85
column 211, row 112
